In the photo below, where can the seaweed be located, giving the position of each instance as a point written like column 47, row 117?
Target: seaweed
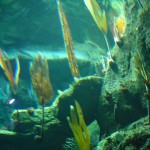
column 68, row 41
column 6, row 66
column 100, row 19
column 78, row 127
column 39, row 71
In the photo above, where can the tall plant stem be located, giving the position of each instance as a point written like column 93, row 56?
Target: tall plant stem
column 148, row 110
column 148, row 105
column 108, row 48
column 42, row 130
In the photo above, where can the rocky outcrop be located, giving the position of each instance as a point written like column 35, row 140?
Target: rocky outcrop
column 135, row 136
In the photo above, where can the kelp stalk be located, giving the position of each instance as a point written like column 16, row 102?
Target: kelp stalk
column 68, row 41
column 42, row 131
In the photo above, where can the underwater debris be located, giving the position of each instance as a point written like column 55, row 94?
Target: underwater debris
column 68, row 41
column 39, row 71
column 6, row 66
column 78, row 127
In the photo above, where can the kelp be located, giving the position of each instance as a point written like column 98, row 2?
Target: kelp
column 100, row 19
column 6, row 66
column 78, row 127
column 68, row 41
column 39, row 71
column 98, row 15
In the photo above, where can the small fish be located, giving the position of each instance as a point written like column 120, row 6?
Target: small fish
column 11, row 101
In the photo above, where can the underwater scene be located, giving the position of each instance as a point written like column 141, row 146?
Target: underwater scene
column 74, row 75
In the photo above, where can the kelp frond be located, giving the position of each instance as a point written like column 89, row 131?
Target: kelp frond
column 78, row 127
column 100, row 19
column 6, row 66
column 39, row 71
column 17, row 72
column 68, row 41
column 98, row 15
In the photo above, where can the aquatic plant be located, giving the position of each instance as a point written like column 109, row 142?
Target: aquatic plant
column 78, row 127
column 98, row 15
column 6, row 66
column 141, row 70
column 68, row 41
column 39, row 71
column 100, row 19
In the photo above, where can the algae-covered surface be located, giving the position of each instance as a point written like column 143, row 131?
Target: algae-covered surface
column 95, row 53
column 135, row 136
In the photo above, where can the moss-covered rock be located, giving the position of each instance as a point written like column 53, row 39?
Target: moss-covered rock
column 135, row 136
column 27, row 123
column 122, row 100
column 86, row 91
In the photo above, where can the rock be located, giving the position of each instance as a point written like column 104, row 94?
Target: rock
column 86, row 91
column 94, row 131
column 27, row 125
column 135, row 136
column 122, row 100
column 24, row 122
